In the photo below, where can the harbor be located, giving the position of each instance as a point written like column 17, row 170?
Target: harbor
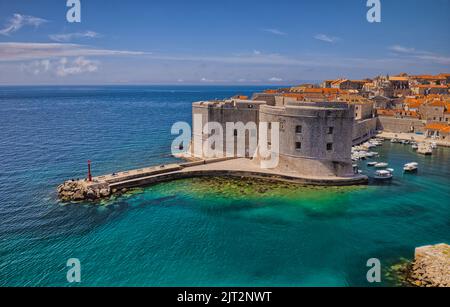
column 381, row 171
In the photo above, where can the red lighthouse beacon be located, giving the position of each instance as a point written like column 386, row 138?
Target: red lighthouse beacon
column 89, row 171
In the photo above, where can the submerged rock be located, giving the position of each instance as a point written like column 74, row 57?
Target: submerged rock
column 83, row 190
column 431, row 266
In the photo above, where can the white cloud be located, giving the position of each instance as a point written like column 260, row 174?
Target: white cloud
column 275, row 79
column 275, row 31
column 401, row 49
column 326, row 38
column 62, row 67
column 256, row 52
column 37, row 67
column 18, row 21
column 12, row 51
column 420, row 54
column 70, row 36
column 207, row 80
column 444, row 60
column 246, row 59
column 78, row 66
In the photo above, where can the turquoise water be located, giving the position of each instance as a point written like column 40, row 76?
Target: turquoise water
column 191, row 232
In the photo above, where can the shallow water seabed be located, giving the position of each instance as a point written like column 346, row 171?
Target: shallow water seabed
column 222, row 190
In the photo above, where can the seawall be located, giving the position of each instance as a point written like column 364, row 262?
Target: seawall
column 106, row 185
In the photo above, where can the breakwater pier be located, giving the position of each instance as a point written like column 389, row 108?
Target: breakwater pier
column 93, row 188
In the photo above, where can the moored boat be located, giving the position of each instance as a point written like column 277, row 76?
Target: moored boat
column 381, row 165
column 383, row 175
column 425, row 149
column 411, row 167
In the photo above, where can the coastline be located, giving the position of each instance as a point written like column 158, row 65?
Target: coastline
column 411, row 136
column 106, row 185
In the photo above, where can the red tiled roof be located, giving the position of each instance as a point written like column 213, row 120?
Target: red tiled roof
column 438, row 126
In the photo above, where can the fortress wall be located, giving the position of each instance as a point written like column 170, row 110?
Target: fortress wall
column 364, row 130
column 400, row 125
column 313, row 158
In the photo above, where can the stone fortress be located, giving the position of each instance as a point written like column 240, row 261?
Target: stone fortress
column 315, row 141
column 315, row 138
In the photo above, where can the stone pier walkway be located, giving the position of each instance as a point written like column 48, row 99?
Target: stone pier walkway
column 104, row 186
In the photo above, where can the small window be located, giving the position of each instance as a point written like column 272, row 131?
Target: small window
column 329, row 146
column 298, row 145
column 269, row 125
column 235, row 132
column 330, row 130
column 298, row 129
column 250, row 106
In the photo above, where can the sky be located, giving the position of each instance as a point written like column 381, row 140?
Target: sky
column 235, row 42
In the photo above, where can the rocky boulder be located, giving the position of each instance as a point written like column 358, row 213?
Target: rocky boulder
column 79, row 190
column 431, row 266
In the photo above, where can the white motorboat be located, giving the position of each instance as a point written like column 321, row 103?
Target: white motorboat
column 381, row 165
column 372, row 163
column 359, row 155
column 383, row 175
column 375, row 143
column 411, row 167
column 415, row 146
column 425, row 149
column 368, row 145
column 371, row 154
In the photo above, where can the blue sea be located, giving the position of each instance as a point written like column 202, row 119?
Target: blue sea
column 196, row 232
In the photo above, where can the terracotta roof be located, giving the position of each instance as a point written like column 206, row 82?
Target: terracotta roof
column 439, row 127
column 339, row 81
column 431, row 86
column 270, row 91
column 436, row 103
column 429, row 77
column 385, row 112
column 414, row 105
column 240, row 97
column 398, row 78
